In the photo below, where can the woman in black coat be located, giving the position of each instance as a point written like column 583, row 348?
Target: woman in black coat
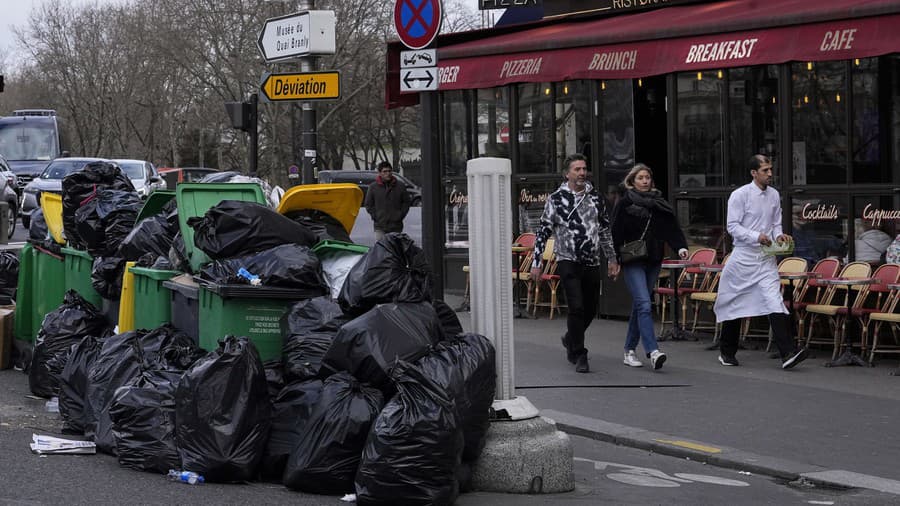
column 643, row 213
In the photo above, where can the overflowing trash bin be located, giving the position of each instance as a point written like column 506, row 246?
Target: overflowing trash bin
column 255, row 343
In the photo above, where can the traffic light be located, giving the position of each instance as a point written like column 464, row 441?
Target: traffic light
column 1, row 83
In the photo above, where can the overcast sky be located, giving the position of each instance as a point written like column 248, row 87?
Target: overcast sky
column 15, row 13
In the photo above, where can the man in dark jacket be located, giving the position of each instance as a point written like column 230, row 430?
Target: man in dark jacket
column 387, row 202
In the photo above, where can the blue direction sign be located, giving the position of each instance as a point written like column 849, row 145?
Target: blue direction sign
column 417, row 21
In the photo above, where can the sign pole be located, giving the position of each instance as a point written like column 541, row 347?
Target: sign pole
column 310, row 138
column 254, row 134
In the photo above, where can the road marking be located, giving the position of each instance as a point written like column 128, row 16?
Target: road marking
column 715, row 480
column 692, row 446
column 642, row 481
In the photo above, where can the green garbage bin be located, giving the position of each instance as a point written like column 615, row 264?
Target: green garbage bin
column 78, row 266
column 49, row 284
column 242, row 310
column 24, row 323
column 152, row 304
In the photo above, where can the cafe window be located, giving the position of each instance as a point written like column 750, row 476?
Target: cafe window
column 492, row 109
column 753, row 119
column 819, row 228
column 573, row 120
column 702, row 220
column 874, row 227
column 535, row 129
column 820, row 137
column 701, row 120
column 892, row 66
column 617, row 127
column 866, row 153
column 530, row 199
column 456, row 214
column 456, row 140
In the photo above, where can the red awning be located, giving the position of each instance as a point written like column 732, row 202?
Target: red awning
column 691, row 37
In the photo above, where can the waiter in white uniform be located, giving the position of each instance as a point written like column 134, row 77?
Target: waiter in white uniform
column 750, row 285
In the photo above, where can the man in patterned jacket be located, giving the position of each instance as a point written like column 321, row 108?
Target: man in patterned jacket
column 577, row 216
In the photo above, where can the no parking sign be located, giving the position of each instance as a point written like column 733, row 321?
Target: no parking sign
column 417, row 21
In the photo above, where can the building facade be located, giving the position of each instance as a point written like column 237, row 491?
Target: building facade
column 692, row 89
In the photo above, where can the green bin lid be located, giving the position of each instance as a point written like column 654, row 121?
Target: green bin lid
column 76, row 253
column 155, row 202
column 329, row 246
column 194, row 199
column 155, row 274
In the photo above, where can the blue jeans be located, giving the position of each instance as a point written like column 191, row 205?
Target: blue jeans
column 640, row 277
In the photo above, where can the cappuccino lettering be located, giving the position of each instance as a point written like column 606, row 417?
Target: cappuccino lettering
column 719, row 51
column 877, row 215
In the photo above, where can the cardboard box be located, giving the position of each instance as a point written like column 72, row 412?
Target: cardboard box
column 7, row 315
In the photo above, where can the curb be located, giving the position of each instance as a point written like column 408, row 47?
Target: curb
column 720, row 456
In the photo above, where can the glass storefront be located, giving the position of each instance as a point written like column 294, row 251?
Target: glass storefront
column 832, row 130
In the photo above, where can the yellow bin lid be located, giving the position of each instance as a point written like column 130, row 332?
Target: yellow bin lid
column 341, row 201
column 51, row 204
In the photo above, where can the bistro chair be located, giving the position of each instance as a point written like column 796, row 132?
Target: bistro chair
column 689, row 281
column 834, row 306
column 878, row 298
column 812, row 291
column 890, row 316
column 551, row 280
column 708, row 298
column 532, row 285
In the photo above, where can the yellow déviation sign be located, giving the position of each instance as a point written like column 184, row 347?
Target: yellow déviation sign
column 302, row 86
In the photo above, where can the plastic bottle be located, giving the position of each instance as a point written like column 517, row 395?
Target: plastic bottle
column 189, row 477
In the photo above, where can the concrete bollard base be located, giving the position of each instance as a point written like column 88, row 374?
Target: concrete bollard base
column 525, row 457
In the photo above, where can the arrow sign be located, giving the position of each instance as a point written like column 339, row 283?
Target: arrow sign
column 301, row 86
column 422, row 79
column 296, row 35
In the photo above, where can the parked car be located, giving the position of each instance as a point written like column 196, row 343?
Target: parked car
column 29, row 139
column 174, row 175
column 364, row 178
column 143, row 176
column 50, row 181
column 12, row 180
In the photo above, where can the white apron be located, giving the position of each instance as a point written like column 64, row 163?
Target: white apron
column 749, row 286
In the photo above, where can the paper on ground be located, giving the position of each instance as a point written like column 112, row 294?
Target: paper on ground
column 54, row 445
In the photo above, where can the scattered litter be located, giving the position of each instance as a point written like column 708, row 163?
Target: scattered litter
column 747, row 473
column 188, row 477
column 35, row 397
column 349, row 498
column 52, row 406
column 55, row 445
column 821, row 502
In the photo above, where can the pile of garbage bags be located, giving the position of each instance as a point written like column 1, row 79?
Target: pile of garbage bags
column 377, row 393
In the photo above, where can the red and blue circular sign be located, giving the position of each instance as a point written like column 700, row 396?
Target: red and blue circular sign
column 417, row 21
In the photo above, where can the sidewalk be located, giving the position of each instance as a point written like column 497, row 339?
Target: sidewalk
column 833, row 426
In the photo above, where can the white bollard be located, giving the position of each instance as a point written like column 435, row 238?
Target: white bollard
column 523, row 453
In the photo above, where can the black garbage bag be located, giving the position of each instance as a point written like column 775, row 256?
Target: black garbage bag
column 38, row 231
column 223, row 413
column 151, row 235
column 368, row 346
column 178, row 256
column 82, row 186
column 235, row 228
column 394, row 270
column 464, row 366
column 122, row 359
column 61, row 329
column 9, row 273
column 178, row 351
column 73, row 384
column 291, row 411
column 143, row 422
column 308, row 331
column 274, row 377
column 449, row 321
column 325, row 226
column 414, row 448
column 106, row 219
column 286, row 266
column 106, row 276
column 326, row 456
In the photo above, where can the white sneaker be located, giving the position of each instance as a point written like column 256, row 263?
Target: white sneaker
column 657, row 359
column 631, row 360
